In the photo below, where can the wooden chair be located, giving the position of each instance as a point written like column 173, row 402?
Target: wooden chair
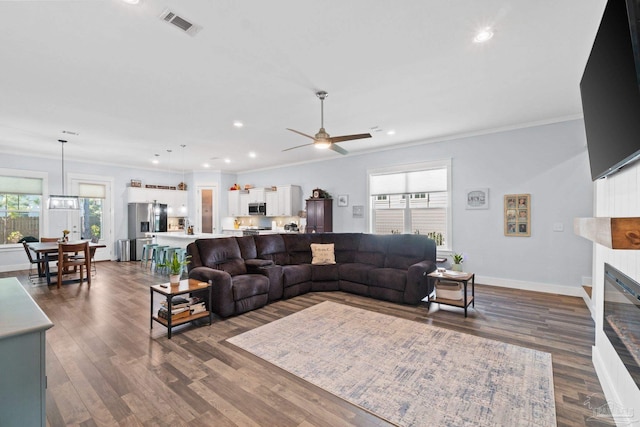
column 49, row 239
column 74, row 255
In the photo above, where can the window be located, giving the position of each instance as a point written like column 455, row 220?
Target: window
column 20, row 206
column 91, row 210
column 412, row 199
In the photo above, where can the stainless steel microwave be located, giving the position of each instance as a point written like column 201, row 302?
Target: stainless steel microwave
column 257, row 208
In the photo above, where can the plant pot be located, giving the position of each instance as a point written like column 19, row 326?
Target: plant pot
column 456, row 267
column 174, row 279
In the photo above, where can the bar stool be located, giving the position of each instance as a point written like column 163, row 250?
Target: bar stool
column 147, row 254
column 182, row 255
column 158, row 256
column 168, row 256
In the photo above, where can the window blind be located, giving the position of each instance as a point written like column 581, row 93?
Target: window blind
column 20, row 185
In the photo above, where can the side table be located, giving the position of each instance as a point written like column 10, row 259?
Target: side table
column 169, row 291
column 460, row 277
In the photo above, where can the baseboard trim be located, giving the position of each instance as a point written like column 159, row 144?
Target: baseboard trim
column 549, row 288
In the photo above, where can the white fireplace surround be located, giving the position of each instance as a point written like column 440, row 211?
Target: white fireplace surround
column 615, row 196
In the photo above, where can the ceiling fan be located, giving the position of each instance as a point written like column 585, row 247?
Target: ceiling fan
column 322, row 139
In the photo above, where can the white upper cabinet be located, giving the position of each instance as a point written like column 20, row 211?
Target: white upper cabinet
column 176, row 200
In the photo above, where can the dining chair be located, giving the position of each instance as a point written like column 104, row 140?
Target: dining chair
column 37, row 277
column 48, row 239
column 76, row 255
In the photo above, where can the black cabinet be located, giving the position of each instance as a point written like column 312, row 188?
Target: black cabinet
column 319, row 215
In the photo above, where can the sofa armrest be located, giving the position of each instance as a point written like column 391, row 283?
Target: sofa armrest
column 221, row 289
column 274, row 273
column 254, row 264
column 418, row 283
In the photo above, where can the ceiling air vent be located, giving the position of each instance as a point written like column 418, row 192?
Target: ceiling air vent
column 174, row 19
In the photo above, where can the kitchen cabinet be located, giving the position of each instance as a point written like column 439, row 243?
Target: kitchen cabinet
column 257, row 195
column 289, row 200
column 273, row 204
column 234, row 202
column 244, row 204
column 176, row 200
column 23, row 326
column 319, row 216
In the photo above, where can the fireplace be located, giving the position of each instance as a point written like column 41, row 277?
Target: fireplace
column 622, row 318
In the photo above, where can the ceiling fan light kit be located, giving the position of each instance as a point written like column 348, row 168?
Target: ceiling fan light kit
column 322, row 140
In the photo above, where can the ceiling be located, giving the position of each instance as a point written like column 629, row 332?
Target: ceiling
column 129, row 85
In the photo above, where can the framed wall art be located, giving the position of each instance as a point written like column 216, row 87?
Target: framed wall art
column 343, row 200
column 517, row 215
column 478, row 198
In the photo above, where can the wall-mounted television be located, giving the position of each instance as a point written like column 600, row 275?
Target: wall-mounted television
column 610, row 90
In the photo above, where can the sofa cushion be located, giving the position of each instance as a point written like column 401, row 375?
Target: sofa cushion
column 405, row 250
column 323, row 253
column 390, row 278
column 324, row 272
column 247, row 247
column 345, row 245
column 355, row 272
column 221, row 254
column 299, row 247
column 294, row 274
column 372, row 250
column 248, row 285
column 271, row 246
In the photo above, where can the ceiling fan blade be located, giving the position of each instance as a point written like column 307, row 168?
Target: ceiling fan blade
column 338, row 149
column 300, row 133
column 298, row 146
column 349, row 137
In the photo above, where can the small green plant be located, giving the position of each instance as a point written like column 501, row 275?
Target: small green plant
column 175, row 265
column 458, row 258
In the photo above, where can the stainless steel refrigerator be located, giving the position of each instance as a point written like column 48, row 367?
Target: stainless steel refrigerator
column 145, row 218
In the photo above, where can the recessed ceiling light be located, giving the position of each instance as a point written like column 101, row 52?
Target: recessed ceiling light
column 483, row 35
column 155, row 161
column 227, row 160
column 131, row 1
column 238, row 123
column 391, row 132
column 206, row 165
column 252, row 154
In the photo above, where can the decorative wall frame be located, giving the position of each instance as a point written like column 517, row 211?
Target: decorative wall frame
column 343, row 200
column 517, row 215
column 358, row 211
column 477, row 198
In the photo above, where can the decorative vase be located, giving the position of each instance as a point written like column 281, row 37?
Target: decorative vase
column 456, row 267
column 174, row 279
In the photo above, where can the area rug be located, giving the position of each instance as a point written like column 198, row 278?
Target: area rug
column 409, row 373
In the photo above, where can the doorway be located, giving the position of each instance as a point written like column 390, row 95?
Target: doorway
column 94, row 219
column 206, row 209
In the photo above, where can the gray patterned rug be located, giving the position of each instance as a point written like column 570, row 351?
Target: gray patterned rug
column 409, row 373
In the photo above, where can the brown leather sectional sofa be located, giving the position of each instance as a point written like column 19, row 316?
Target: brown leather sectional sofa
column 251, row 271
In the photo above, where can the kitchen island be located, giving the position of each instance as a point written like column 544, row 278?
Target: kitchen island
column 181, row 239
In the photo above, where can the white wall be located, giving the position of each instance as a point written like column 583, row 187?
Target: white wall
column 616, row 196
column 549, row 162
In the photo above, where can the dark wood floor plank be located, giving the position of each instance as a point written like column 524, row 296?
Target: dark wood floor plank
column 106, row 367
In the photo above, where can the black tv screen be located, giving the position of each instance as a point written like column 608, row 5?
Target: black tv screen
column 610, row 90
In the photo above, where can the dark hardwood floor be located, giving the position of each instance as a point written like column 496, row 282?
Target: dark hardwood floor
column 105, row 367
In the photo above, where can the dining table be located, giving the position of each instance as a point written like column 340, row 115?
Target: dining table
column 45, row 250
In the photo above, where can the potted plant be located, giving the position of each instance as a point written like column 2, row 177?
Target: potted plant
column 174, row 267
column 458, row 259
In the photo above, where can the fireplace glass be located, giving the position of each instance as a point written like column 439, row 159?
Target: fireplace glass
column 622, row 318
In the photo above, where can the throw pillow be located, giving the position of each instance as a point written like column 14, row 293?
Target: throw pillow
column 323, row 253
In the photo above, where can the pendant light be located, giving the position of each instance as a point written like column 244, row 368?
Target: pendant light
column 183, row 208
column 62, row 201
